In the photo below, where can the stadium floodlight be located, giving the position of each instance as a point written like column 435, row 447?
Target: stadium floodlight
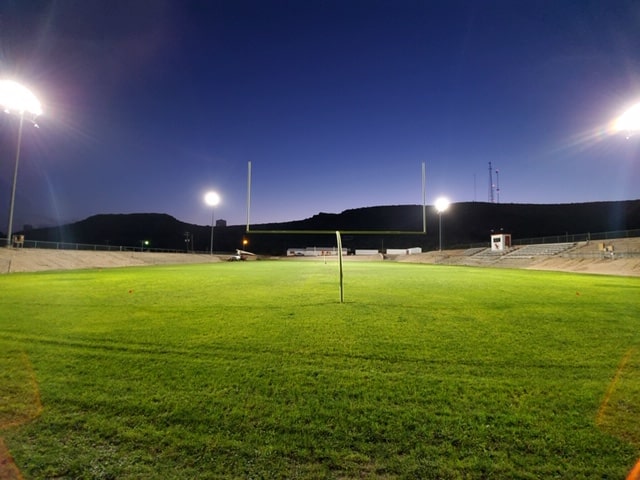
column 212, row 199
column 441, row 206
column 16, row 98
column 629, row 121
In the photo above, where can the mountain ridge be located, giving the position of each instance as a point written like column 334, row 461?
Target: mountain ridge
column 463, row 223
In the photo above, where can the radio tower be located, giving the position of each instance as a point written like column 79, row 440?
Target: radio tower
column 490, row 183
column 497, row 186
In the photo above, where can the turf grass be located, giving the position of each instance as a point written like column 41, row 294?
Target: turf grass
column 255, row 370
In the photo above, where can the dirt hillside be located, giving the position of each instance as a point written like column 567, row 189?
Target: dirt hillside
column 13, row 260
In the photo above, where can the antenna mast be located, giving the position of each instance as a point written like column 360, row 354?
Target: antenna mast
column 490, row 183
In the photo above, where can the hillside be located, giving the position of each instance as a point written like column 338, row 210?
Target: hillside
column 462, row 225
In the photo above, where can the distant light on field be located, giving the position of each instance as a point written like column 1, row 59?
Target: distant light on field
column 212, row 199
column 16, row 98
column 442, row 204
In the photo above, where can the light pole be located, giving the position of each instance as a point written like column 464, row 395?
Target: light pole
column 441, row 206
column 16, row 98
column 212, row 199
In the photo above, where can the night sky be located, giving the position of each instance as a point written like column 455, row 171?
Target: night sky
column 150, row 103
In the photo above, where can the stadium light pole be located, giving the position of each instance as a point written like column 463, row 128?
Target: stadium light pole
column 16, row 98
column 212, row 199
column 441, row 206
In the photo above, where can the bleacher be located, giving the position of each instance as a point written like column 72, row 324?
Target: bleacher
column 537, row 250
column 486, row 252
column 474, row 251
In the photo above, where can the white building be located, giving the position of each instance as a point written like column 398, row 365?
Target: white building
column 500, row 242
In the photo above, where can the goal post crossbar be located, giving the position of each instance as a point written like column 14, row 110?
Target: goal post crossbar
column 343, row 232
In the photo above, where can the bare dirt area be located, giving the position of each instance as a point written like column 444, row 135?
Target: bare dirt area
column 8, row 468
column 619, row 266
column 608, row 257
column 13, row 260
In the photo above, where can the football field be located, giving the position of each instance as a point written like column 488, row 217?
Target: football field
column 256, row 370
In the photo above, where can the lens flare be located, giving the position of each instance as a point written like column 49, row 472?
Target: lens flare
column 629, row 121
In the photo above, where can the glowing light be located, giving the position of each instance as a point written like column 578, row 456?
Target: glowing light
column 15, row 97
column 629, row 121
column 212, row 199
column 442, row 204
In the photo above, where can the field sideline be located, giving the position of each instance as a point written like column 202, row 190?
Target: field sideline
column 585, row 257
column 255, row 370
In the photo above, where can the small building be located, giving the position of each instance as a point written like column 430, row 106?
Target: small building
column 313, row 251
column 367, row 251
column 404, row 251
column 500, row 242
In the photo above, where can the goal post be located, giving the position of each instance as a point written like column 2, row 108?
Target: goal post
column 339, row 233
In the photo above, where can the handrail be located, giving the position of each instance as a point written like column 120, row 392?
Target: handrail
column 95, row 247
column 563, row 238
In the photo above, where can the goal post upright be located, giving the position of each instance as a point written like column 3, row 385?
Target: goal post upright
column 248, row 195
column 339, row 240
column 424, row 199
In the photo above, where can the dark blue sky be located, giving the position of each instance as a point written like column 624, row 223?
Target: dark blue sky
column 148, row 104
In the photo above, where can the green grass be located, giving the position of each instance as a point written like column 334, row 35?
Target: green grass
column 255, row 370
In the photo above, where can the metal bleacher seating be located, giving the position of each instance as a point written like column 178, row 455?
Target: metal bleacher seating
column 537, row 250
